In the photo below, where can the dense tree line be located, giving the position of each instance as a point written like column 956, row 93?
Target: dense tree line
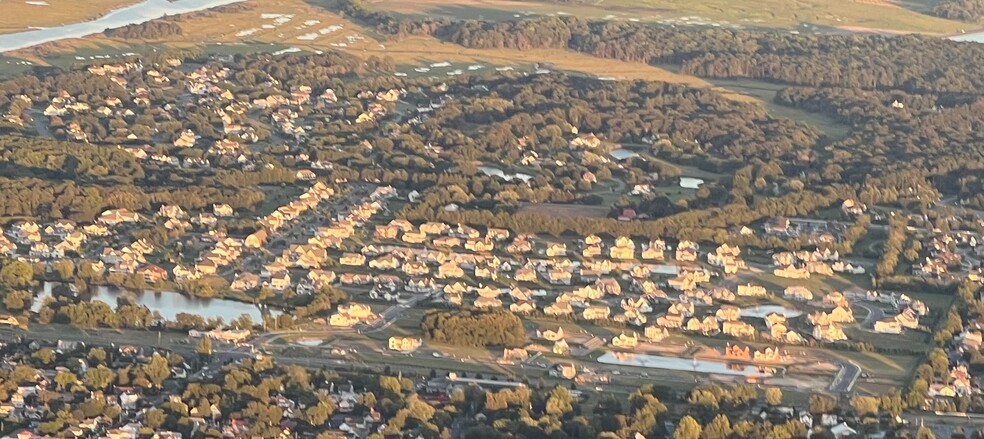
column 150, row 30
column 816, row 60
column 473, row 328
column 907, row 139
column 893, row 246
column 964, row 10
column 912, row 63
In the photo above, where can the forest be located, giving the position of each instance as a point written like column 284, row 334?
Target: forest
column 966, row 10
column 473, row 328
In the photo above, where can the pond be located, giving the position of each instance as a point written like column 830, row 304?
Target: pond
column 690, row 182
column 684, row 364
column 169, row 304
column 763, row 310
column 139, row 13
column 623, row 154
column 669, row 270
column 496, row 172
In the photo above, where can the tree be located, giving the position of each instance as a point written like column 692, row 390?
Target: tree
column 154, row 418
column 718, row 428
column 99, row 377
column 97, row 355
column 319, row 413
column 391, row 385
column 65, row 378
column 157, row 370
column 773, row 396
column 45, row 355
column 18, row 300
column 16, row 275
column 420, row 410
column 924, row 433
column 820, row 404
column 560, row 402
column 865, row 405
column 204, row 347
column 688, row 428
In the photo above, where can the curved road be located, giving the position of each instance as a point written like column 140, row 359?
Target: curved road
column 874, row 314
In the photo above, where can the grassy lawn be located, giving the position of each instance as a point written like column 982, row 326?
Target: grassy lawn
column 817, row 284
column 766, row 93
column 893, row 367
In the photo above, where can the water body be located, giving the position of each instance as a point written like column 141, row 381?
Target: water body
column 169, row 304
column 623, row 154
column 763, row 310
column 496, row 172
column 690, row 182
column 684, row 364
column 976, row 37
column 135, row 14
column 670, row 270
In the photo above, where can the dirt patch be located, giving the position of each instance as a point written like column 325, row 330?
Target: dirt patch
column 566, row 210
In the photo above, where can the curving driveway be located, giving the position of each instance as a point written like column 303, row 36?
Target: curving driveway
column 874, row 314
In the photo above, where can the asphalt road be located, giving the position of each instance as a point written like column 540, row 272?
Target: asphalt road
column 845, row 379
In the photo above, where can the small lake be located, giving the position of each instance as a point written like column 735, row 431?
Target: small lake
column 975, row 37
column 169, row 304
column 763, row 310
column 690, row 182
column 496, row 172
column 669, row 270
column 623, row 154
column 135, row 14
column 684, row 364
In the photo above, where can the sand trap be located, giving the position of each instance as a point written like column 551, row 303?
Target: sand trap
column 330, row 29
column 287, row 50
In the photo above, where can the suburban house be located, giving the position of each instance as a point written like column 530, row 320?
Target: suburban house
column 798, row 293
column 245, row 281
column 625, row 341
column 596, row 312
column 404, row 344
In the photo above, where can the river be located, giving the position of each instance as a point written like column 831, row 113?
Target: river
column 168, row 304
column 135, row 14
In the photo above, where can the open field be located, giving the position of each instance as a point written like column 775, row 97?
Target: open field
column 20, row 15
column 766, row 93
column 874, row 16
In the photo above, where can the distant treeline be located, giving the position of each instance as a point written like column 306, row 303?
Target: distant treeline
column 151, row 30
column 964, row 10
column 911, row 63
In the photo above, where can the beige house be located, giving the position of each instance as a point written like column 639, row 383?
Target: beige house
column 656, row 333
column 625, row 341
column 404, row 344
